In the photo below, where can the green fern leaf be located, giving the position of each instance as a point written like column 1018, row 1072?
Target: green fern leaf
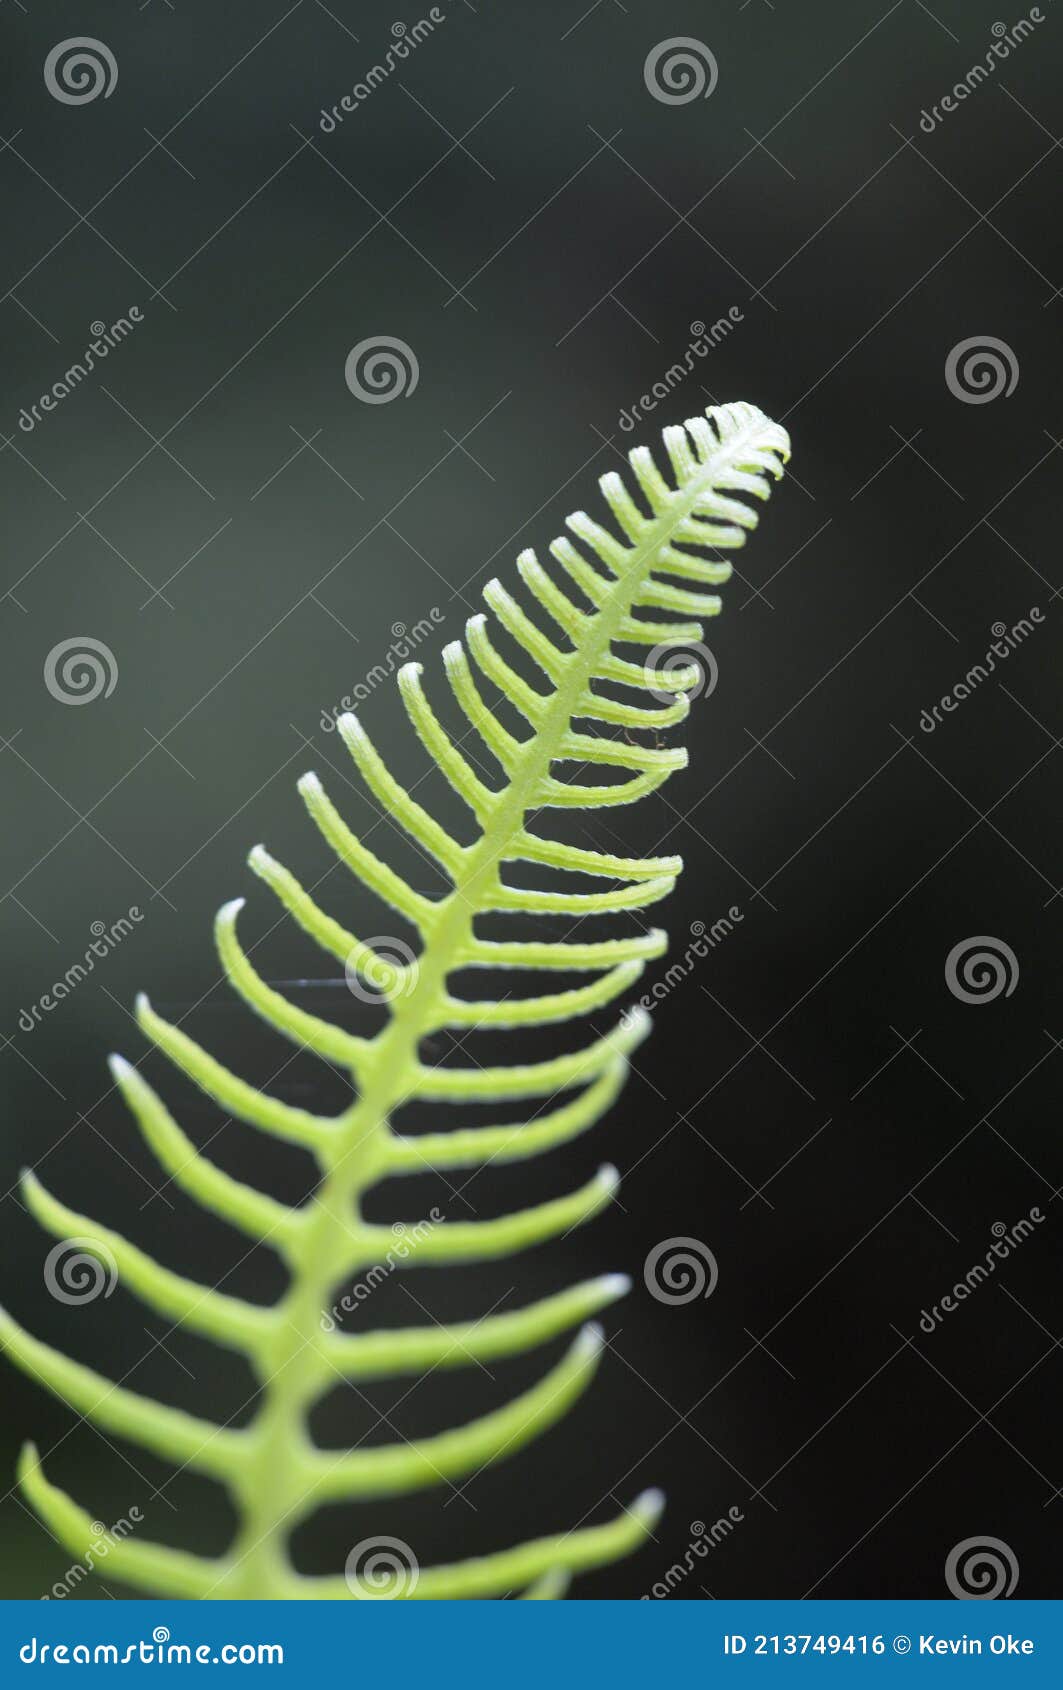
column 275, row 1475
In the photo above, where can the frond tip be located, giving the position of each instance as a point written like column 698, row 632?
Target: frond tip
column 650, row 561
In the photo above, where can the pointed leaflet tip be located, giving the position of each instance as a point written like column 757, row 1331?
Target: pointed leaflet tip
column 231, row 910
column 648, row 1507
column 309, row 783
column 638, row 1022
column 615, row 1284
column 609, row 1178
column 589, row 1342
column 30, row 1187
column 29, row 1459
column 120, row 1068
column 349, row 727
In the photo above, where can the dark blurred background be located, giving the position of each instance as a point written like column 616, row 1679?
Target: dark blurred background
column 243, row 535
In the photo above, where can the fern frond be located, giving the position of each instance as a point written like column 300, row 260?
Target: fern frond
column 656, row 557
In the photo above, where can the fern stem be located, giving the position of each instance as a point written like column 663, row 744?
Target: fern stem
column 335, row 1225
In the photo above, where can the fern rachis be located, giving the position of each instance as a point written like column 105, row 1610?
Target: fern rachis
column 275, row 1475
